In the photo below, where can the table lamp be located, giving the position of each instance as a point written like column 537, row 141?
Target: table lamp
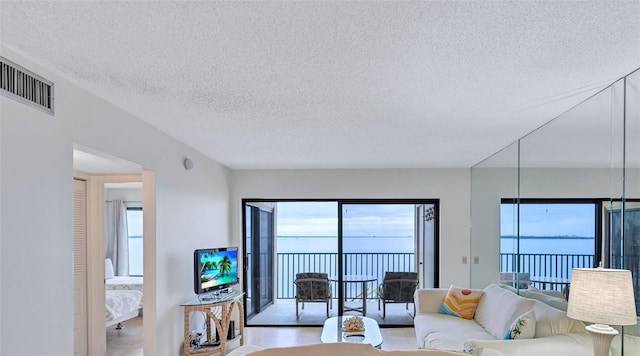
column 604, row 297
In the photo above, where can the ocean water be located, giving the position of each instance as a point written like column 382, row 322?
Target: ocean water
column 329, row 244
column 399, row 244
column 402, row 244
column 561, row 245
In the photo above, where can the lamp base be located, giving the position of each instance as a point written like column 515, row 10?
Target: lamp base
column 601, row 336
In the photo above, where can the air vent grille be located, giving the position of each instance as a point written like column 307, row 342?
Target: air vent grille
column 26, row 87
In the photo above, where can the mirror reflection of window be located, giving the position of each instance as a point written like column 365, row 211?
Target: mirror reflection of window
column 554, row 238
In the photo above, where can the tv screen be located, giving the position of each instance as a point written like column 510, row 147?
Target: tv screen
column 214, row 269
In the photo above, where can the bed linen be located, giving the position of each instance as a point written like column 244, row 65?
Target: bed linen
column 121, row 305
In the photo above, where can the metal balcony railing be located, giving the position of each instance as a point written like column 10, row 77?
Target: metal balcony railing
column 545, row 264
column 376, row 264
column 373, row 264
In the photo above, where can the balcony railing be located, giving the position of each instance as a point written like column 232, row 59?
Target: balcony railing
column 376, row 264
column 373, row 264
column 545, row 264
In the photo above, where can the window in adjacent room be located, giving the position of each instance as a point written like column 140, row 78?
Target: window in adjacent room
column 134, row 227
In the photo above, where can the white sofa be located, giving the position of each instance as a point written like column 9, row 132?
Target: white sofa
column 338, row 349
column 555, row 333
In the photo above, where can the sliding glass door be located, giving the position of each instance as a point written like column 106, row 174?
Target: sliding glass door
column 259, row 257
column 379, row 250
column 331, row 257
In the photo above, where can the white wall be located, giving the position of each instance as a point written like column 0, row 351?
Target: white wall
column 132, row 196
column 36, row 172
column 451, row 186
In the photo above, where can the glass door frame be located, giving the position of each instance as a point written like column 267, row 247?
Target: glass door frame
column 340, row 295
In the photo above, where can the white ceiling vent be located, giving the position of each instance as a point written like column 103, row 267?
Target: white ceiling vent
column 26, row 87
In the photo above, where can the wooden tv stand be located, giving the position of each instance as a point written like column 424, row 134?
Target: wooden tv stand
column 226, row 302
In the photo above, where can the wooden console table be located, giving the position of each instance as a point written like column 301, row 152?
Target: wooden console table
column 226, row 303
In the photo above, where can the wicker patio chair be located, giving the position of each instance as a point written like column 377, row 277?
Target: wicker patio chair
column 312, row 287
column 397, row 287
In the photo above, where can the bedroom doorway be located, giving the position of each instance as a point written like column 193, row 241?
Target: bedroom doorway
column 103, row 174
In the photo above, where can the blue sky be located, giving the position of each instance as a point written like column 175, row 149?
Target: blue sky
column 549, row 220
column 321, row 219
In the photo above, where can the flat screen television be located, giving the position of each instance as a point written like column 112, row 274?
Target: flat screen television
column 215, row 269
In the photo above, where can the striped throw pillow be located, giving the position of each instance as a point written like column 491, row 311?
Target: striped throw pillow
column 461, row 302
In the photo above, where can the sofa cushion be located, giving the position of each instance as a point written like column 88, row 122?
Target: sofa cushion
column 342, row 348
column 549, row 292
column 429, row 300
column 551, row 321
column 558, row 345
column 461, row 302
column 446, row 332
column 631, row 345
column 338, row 348
column 498, row 308
column 524, row 327
column 558, row 303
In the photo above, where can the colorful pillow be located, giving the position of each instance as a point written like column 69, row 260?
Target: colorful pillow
column 524, row 327
column 461, row 302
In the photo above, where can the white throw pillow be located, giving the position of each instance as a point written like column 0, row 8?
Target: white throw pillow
column 498, row 308
column 108, row 269
column 524, row 327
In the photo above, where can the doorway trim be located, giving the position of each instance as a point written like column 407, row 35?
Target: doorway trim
column 95, row 253
column 96, row 328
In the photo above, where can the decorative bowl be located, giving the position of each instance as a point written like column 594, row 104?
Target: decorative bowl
column 353, row 331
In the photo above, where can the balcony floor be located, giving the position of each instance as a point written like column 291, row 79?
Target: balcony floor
column 283, row 312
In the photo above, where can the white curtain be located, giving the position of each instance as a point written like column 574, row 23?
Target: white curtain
column 116, row 236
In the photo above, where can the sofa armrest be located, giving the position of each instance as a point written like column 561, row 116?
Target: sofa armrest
column 429, row 300
column 557, row 345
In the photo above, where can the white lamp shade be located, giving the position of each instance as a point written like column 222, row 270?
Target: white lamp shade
column 602, row 296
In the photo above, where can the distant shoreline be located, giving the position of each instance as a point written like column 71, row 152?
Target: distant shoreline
column 548, row 237
column 335, row 237
column 404, row 237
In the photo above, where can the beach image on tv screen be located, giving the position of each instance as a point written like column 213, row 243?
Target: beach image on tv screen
column 218, row 268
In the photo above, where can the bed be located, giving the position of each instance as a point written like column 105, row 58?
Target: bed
column 121, row 305
column 125, row 283
column 123, row 296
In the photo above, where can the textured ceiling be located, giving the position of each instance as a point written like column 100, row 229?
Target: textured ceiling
column 334, row 84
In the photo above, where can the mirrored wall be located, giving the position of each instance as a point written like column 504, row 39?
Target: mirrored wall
column 564, row 196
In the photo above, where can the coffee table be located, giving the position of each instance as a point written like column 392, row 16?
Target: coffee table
column 332, row 332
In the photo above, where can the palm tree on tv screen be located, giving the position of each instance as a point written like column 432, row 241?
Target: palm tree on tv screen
column 225, row 265
column 209, row 265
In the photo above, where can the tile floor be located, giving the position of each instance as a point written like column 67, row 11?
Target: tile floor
column 283, row 313
column 128, row 341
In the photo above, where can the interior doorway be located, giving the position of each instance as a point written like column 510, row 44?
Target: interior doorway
column 101, row 171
